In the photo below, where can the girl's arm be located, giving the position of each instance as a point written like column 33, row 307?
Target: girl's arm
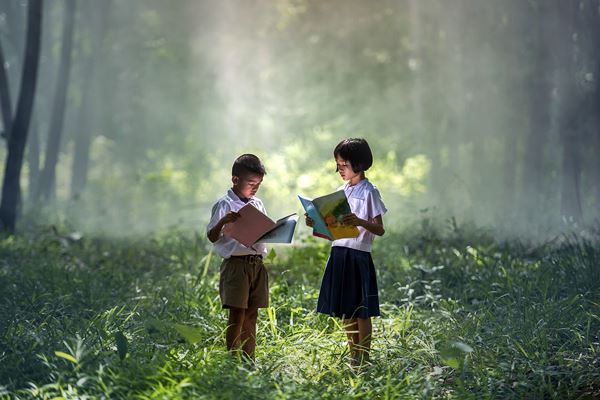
column 309, row 221
column 375, row 226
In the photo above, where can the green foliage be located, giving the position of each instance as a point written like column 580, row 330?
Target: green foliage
column 445, row 96
column 462, row 316
column 121, row 342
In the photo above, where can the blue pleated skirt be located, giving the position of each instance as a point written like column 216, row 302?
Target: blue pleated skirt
column 349, row 286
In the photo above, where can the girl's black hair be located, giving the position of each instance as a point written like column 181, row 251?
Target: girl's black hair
column 357, row 151
column 247, row 163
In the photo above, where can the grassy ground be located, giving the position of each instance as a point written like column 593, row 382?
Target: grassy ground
column 463, row 317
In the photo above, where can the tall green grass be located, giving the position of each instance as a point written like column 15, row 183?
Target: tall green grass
column 462, row 316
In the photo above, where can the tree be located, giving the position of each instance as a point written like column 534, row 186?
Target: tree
column 538, row 94
column 47, row 181
column 5, row 100
column 15, row 41
column 572, row 116
column 83, row 136
column 11, row 188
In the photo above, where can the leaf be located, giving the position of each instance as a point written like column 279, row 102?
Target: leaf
column 82, row 381
column 121, row 341
column 66, row 356
column 191, row 334
column 465, row 348
column 454, row 353
column 452, row 362
column 206, row 263
column 154, row 326
column 271, row 256
column 521, row 349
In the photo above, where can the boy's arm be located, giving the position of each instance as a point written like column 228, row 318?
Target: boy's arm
column 214, row 233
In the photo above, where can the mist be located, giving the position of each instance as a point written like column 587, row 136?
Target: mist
column 478, row 113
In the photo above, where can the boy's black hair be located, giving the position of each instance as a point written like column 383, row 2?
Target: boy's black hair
column 357, row 151
column 247, row 163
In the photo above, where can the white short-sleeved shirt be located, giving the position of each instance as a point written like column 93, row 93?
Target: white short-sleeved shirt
column 225, row 245
column 366, row 203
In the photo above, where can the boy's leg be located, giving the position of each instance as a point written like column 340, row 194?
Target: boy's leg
column 234, row 328
column 365, row 332
column 352, row 332
column 248, row 333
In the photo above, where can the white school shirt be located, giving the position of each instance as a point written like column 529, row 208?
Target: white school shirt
column 366, row 203
column 226, row 246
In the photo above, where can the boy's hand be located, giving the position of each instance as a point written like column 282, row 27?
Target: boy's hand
column 308, row 220
column 231, row 216
column 214, row 234
column 352, row 219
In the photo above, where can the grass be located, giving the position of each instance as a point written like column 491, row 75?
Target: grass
column 463, row 316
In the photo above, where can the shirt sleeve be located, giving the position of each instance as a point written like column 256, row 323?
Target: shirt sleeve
column 375, row 205
column 218, row 211
column 262, row 208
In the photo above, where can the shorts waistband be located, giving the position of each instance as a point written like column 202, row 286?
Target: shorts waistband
column 249, row 258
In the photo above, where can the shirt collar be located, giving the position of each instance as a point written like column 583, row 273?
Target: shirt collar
column 356, row 190
column 359, row 184
column 235, row 197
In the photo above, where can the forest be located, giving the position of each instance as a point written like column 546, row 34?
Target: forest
column 119, row 125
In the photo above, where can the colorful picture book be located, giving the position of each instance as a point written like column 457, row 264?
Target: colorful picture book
column 327, row 213
column 255, row 227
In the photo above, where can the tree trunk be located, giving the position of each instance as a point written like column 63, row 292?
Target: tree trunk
column 595, row 175
column 416, row 66
column 88, row 105
column 592, row 25
column 453, row 175
column 539, row 102
column 571, row 175
column 47, row 183
column 508, row 179
column 596, row 134
column 573, row 113
column 11, row 188
column 5, row 100
column 33, row 156
column 15, row 34
column 79, row 171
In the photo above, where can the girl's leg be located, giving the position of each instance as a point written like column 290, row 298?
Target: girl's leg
column 234, row 328
column 365, row 331
column 249, row 331
column 352, row 332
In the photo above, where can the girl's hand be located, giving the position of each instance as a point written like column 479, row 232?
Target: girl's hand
column 308, row 220
column 352, row 219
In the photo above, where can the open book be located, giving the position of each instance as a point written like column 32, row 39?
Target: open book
column 327, row 213
column 255, row 227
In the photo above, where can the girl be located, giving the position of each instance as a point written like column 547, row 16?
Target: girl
column 349, row 286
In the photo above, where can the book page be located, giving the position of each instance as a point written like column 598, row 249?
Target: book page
column 333, row 207
column 282, row 232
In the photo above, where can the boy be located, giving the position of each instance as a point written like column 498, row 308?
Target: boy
column 243, row 284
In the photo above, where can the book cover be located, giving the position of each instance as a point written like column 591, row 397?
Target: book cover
column 253, row 227
column 327, row 213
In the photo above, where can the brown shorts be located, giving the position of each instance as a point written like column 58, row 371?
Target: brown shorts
column 244, row 282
